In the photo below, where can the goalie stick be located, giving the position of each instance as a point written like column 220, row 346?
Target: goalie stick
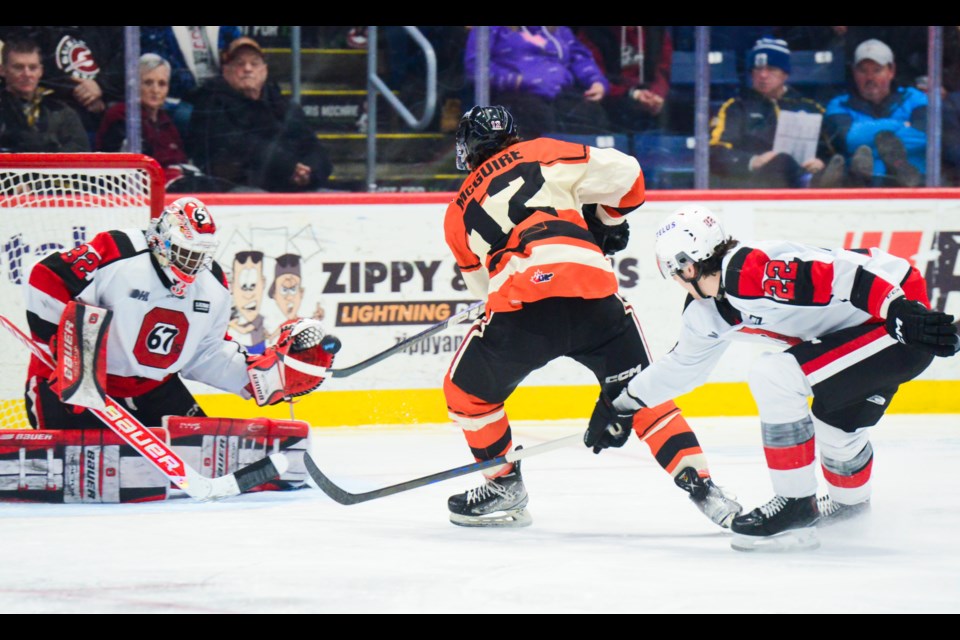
column 347, row 498
column 142, row 440
column 470, row 313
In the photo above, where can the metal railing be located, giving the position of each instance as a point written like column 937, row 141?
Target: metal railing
column 375, row 86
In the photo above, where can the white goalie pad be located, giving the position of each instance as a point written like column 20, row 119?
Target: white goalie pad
column 218, row 446
column 81, row 373
column 76, row 466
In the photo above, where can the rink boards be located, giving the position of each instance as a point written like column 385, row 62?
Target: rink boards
column 379, row 268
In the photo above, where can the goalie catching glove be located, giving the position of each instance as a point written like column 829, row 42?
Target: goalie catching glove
column 295, row 366
column 913, row 324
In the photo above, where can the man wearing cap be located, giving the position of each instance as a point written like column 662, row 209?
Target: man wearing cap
column 878, row 126
column 741, row 142
column 243, row 130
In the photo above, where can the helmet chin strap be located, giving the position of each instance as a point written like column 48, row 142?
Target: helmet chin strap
column 695, row 281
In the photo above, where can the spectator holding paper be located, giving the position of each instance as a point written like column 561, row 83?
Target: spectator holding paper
column 743, row 153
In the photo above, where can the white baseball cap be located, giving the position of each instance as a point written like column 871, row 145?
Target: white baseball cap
column 875, row 50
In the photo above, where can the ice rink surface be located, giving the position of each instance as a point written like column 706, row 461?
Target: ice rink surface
column 610, row 534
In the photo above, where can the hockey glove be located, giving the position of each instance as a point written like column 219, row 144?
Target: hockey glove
column 295, row 366
column 610, row 238
column 913, row 324
column 611, row 422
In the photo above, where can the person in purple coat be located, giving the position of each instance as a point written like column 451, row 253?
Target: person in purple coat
column 546, row 77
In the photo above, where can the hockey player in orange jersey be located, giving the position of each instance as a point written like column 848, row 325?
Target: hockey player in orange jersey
column 529, row 229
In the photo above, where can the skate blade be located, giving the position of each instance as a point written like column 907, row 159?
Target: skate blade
column 793, row 540
column 520, row 518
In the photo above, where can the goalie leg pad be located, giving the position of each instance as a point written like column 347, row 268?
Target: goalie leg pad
column 81, row 369
column 76, row 466
column 218, row 446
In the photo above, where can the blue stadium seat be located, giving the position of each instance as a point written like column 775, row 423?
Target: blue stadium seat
column 620, row 142
column 812, row 68
column 666, row 159
column 820, row 75
column 723, row 68
column 725, row 83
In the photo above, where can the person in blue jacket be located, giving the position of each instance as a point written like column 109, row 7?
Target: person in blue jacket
column 879, row 127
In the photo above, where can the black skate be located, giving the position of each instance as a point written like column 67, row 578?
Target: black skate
column 500, row 502
column 708, row 497
column 783, row 524
column 832, row 512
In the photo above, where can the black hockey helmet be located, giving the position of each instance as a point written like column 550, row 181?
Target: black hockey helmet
column 482, row 132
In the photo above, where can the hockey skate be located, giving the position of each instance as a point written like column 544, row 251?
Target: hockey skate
column 833, row 512
column 709, row 498
column 500, row 502
column 783, row 524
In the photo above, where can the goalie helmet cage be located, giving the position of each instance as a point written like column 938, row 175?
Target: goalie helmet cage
column 71, row 197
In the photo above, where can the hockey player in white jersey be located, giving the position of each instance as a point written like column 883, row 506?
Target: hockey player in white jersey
column 170, row 305
column 854, row 324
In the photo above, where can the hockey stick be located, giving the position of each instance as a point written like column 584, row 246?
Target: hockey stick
column 470, row 313
column 135, row 434
column 345, row 497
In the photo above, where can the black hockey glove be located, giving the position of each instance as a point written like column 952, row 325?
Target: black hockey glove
column 609, row 426
column 913, row 324
column 610, row 239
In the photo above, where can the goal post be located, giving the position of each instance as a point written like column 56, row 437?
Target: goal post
column 55, row 201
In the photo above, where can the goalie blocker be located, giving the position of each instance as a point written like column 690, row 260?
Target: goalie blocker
column 96, row 466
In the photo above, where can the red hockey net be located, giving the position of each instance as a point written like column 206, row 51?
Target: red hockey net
column 55, row 201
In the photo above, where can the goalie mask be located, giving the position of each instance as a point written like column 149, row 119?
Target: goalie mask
column 183, row 239
column 483, row 131
column 688, row 236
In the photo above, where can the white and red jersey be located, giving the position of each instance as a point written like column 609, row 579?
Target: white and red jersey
column 779, row 293
column 516, row 229
column 154, row 334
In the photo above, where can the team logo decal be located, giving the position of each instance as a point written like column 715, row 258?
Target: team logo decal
column 539, row 277
column 75, row 58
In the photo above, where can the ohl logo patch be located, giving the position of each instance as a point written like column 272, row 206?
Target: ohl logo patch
column 934, row 253
column 539, row 277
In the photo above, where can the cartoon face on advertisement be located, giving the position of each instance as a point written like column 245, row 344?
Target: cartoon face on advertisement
column 247, row 284
column 286, row 289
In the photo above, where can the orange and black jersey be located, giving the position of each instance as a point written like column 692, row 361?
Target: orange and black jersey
column 516, row 230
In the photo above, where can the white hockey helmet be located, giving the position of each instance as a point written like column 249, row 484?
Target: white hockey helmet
column 687, row 236
column 183, row 237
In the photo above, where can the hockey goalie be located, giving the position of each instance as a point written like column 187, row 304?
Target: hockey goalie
column 131, row 314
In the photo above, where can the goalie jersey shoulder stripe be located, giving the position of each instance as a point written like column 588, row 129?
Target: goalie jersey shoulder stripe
column 63, row 275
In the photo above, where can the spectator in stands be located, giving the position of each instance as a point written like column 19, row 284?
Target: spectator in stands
column 160, row 138
column 83, row 66
column 243, row 130
column 194, row 53
column 546, row 78
column 742, row 140
column 879, row 126
column 31, row 119
column 636, row 61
